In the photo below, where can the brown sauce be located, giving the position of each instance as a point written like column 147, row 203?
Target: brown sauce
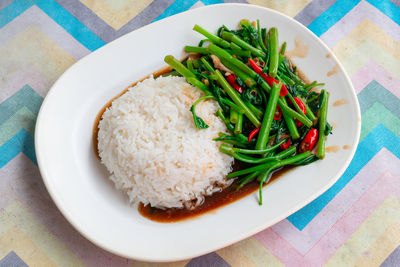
column 332, row 149
column 334, row 70
column 340, row 102
column 300, row 50
column 329, row 55
column 301, row 74
column 211, row 203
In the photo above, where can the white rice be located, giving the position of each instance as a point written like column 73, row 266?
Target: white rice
column 149, row 144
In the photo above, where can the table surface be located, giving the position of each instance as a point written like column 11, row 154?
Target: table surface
column 356, row 222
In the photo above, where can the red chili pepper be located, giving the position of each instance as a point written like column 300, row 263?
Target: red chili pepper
column 286, row 145
column 309, row 141
column 278, row 113
column 303, row 109
column 253, row 133
column 269, row 80
column 255, row 66
column 231, row 80
column 301, row 105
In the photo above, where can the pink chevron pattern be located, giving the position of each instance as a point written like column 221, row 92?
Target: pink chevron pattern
column 386, row 185
column 303, row 241
column 358, row 225
column 373, row 71
column 24, row 76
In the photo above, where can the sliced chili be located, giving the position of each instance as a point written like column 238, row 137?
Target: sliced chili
column 309, row 141
column 253, row 133
column 278, row 113
column 303, row 109
column 286, row 145
column 268, row 79
column 255, row 66
column 232, row 81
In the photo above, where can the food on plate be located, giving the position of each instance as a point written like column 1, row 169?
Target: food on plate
column 170, row 142
column 149, row 144
column 274, row 117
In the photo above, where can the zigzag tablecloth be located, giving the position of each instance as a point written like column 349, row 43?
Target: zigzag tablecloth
column 356, row 222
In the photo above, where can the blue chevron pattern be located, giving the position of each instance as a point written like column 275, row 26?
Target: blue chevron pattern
column 25, row 97
column 374, row 92
column 21, row 142
column 379, row 138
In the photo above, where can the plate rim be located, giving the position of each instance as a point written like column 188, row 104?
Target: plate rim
column 244, row 234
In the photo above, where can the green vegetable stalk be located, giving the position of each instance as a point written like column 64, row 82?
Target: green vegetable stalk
column 274, row 56
column 323, row 113
column 268, row 117
column 190, row 77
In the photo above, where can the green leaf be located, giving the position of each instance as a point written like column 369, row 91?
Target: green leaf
column 217, row 92
column 230, row 137
column 240, row 82
column 328, row 129
column 312, row 101
column 296, row 90
column 279, row 127
column 252, row 35
column 258, row 79
column 198, row 122
column 252, row 96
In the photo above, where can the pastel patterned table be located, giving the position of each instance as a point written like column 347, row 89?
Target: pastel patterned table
column 356, row 222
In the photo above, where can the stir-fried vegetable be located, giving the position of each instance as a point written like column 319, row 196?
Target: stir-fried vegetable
column 268, row 109
column 268, row 117
column 322, row 124
column 199, row 122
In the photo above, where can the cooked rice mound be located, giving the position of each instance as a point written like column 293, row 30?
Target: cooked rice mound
column 149, row 144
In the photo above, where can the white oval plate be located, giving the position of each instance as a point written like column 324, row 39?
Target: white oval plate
column 78, row 183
